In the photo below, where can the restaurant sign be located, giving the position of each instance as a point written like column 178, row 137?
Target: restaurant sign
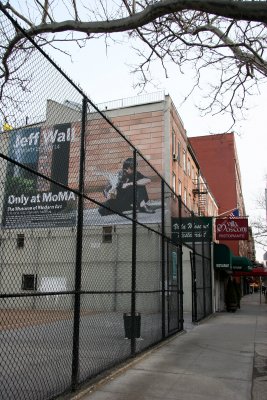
column 231, row 229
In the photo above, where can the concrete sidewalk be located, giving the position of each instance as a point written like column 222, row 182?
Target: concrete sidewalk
column 225, row 357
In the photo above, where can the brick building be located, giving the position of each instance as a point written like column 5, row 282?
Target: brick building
column 217, row 156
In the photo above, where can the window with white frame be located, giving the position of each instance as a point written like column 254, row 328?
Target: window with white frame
column 179, row 152
column 173, row 142
column 188, row 167
column 174, row 182
column 189, row 205
column 185, row 196
column 184, row 161
column 180, row 188
column 193, row 173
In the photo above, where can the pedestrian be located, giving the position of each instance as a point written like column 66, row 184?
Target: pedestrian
column 263, row 288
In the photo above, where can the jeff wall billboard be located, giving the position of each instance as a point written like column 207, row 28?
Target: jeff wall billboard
column 32, row 201
column 29, row 200
column 231, row 229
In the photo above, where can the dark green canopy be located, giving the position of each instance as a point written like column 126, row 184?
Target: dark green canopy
column 222, row 257
column 241, row 264
column 225, row 260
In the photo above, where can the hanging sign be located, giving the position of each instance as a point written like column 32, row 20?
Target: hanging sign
column 192, row 230
column 231, row 229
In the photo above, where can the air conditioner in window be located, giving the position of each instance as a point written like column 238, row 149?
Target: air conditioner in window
column 174, row 157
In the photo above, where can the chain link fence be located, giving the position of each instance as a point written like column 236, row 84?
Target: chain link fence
column 90, row 272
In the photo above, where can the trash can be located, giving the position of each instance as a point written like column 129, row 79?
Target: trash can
column 132, row 332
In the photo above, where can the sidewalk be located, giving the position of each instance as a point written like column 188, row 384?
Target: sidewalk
column 223, row 358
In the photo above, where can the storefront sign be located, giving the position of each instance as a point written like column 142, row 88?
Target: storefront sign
column 231, row 229
column 192, row 230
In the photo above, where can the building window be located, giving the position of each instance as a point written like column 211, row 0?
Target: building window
column 179, row 152
column 185, row 196
column 189, row 202
column 174, row 182
column 188, row 167
column 180, row 188
column 20, row 240
column 184, row 161
column 173, row 143
column 28, row 282
column 107, row 234
column 193, row 173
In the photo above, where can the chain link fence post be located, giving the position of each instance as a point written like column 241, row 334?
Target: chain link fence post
column 79, row 245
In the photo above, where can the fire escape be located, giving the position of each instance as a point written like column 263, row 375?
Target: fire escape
column 200, row 197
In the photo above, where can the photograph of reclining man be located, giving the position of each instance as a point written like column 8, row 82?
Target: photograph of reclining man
column 120, row 197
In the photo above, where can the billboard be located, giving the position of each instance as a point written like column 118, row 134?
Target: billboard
column 29, row 200
column 231, row 229
column 32, row 201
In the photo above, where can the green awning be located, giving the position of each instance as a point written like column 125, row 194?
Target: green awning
column 241, row 264
column 224, row 259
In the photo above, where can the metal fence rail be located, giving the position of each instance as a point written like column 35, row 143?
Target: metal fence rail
column 85, row 282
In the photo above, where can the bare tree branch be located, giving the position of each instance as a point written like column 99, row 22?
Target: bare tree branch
column 45, row 10
column 238, row 10
column 225, row 36
column 258, row 224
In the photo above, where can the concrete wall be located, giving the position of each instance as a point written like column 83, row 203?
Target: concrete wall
column 51, row 256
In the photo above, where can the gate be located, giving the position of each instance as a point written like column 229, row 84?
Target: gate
column 174, row 289
column 201, row 285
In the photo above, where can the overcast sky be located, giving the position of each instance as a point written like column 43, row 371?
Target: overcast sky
column 103, row 73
